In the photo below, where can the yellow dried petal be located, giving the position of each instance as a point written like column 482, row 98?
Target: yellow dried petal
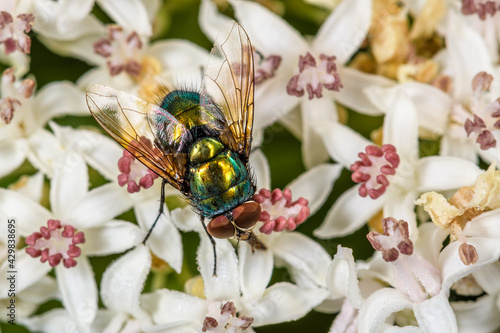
column 487, row 190
column 391, row 43
column 427, row 71
column 428, row 18
column 441, row 211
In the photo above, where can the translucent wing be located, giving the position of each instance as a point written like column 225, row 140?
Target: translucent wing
column 229, row 83
column 147, row 131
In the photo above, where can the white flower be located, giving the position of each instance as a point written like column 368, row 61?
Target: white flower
column 445, row 113
column 391, row 189
column 68, row 20
column 74, row 207
column 27, row 300
column 294, row 71
column 123, row 54
column 244, row 284
column 16, row 20
column 103, row 154
column 121, row 286
column 23, row 116
column 380, row 307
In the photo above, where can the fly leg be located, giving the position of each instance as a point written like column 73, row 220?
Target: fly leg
column 160, row 211
column 213, row 244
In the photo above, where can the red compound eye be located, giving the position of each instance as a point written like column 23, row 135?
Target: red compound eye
column 221, row 227
column 246, row 215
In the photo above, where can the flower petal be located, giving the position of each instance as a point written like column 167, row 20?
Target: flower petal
column 349, row 213
column 69, row 183
column 18, row 60
column 283, row 302
column 79, row 48
column 256, row 268
column 344, row 30
column 58, row 99
column 131, row 15
column 400, row 205
column 179, row 55
column 70, row 14
column 186, row 219
column 260, row 168
column 272, row 102
column 55, row 320
column 305, row 257
column 43, row 290
column 211, row 20
column 111, row 237
column 315, row 111
column 355, row 91
column 268, row 32
column 165, row 240
column 465, row 149
column 48, row 22
column 30, row 186
column 99, row 205
column 29, row 214
column 380, row 306
column 171, row 308
column 32, row 271
column 436, row 315
column 79, row 291
column 225, row 285
column 484, row 225
column 486, row 278
column 453, row 269
column 316, row 184
column 467, row 54
column 12, row 154
column 481, row 314
column 123, row 280
column 342, row 280
column 343, row 144
column 401, row 126
column 430, row 241
column 99, row 151
column 432, row 104
column 44, row 151
column 438, row 173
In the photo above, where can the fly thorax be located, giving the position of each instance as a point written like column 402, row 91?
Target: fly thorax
column 218, row 179
column 204, row 150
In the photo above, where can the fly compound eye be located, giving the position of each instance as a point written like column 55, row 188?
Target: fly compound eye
column 221, row 227
column 246, row 215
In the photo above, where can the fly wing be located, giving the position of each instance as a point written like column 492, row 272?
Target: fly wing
column 137, row 126
column 229, row 84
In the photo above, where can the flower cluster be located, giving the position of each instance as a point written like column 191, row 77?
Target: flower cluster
column 374, row 133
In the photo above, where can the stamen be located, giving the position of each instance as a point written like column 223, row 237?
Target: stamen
column 13, row 32
column 313, row 77
column 374, row 169
column 228, row 320
column 485, row 118
column 134, row 174
column 124, row 52
column 266, row 68
column 480, row 7
column 279, row 212
column 55, row 243
column 411, row 271
column 13, row 93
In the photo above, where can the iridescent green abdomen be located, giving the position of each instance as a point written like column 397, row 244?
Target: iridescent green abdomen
column 219, row 181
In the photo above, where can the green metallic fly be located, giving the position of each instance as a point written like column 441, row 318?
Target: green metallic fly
column 198, row 142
